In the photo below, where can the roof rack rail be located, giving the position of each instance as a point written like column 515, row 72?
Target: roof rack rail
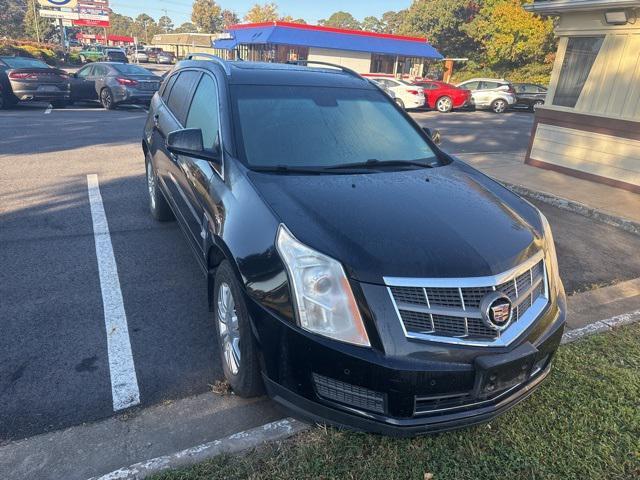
column 213, row 58
column 327, row 64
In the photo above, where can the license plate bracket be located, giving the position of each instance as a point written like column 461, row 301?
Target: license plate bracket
column 498, row 373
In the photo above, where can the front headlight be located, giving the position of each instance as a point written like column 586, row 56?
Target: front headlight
column 323, row 298
column 551, row 258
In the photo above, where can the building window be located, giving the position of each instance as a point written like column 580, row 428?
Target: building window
column 579, row 58
column 382, row 63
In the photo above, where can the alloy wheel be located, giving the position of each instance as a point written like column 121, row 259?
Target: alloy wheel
column 229, row 328
column 444, row 105
column 536, row 105
column 106, row 99
column 499, row 106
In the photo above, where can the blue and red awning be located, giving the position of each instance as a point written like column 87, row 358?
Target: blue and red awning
column 295, row 34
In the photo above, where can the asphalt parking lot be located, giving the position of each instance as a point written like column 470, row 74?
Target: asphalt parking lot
column 54, row 362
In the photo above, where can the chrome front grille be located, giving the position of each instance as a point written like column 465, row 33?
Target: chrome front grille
column 446, row 309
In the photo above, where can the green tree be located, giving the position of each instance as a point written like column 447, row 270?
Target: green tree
column 441, row 21
column 12, row 14
column 36, row 27
column 229, row 17
column 290, row 19
column 392, row 21
column 145, row 27
column 267, row 12
column 207, row 16
column 341, row 20
column 372, row 24
column 165, row 24
column 511, row 36
column 121, row 24
column 186, row 27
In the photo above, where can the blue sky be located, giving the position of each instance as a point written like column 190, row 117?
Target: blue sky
column 310, row 10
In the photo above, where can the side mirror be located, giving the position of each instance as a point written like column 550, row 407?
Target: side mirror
column 435, row 136
column 189, row 142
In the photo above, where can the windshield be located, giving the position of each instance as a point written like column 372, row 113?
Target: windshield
column 19, row 62
column 289, row 126
column 128, row 69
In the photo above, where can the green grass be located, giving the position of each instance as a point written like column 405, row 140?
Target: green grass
column 584, row 423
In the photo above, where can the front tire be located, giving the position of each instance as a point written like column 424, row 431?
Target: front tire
column 499, row 105
column 444, row 104
column 106, row 98
column 59, row 104
column 238, row 349
column 400, row 103
column 158, row 205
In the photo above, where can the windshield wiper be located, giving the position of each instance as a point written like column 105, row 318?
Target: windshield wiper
column 373, row 163
column 287, row 169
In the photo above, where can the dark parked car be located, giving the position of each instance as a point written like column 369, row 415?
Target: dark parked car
column 28, row 79
column 529, row 95
column 114, row 84
column 166, row 58
column 362, row 275
column 115, row 55
column 152, row 53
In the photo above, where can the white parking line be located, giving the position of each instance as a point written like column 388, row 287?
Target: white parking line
column 124, row 383
column 48, row 110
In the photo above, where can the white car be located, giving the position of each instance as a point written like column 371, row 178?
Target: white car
column 140, row 55
column 495, row 94
column 404, row 94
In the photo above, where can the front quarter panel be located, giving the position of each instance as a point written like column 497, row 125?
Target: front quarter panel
column 245, row 229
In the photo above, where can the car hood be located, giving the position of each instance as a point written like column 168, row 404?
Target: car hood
column 450, row 221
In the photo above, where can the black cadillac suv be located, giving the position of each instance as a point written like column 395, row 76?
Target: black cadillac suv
column 363, row 276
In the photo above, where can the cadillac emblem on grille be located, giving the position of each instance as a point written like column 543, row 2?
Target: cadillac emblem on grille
column 497, row 311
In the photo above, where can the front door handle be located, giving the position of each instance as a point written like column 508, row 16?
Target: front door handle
column 156, row 120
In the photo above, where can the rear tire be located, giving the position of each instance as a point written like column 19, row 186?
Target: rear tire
column 400, row 103
column 158, row 205
column 444, row 104
column 59, row 104
column 499, row 105
column 238, row 348
column 106, row 98
column 536, row 104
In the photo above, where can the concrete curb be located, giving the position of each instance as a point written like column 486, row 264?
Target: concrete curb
column 601, row 326
column 576, row 207
column 235, row 443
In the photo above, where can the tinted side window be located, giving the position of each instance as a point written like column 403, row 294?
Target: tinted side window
column 489, row 85
column 180, row 96
column 168, row 85
column 85, row 72
column 99, row 71
column 204, row 112
column 471, row 85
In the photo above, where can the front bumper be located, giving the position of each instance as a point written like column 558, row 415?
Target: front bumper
column 292, row 361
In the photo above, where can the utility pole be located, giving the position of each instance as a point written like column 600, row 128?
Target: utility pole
column 166, row 27
column 35, row 19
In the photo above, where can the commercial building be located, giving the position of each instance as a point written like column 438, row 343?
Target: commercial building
column 589, row 126
column 364, row 52
column 182, row 44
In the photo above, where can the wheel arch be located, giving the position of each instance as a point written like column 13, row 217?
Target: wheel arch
column 217, row 253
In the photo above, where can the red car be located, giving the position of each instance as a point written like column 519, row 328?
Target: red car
column 443, row 96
